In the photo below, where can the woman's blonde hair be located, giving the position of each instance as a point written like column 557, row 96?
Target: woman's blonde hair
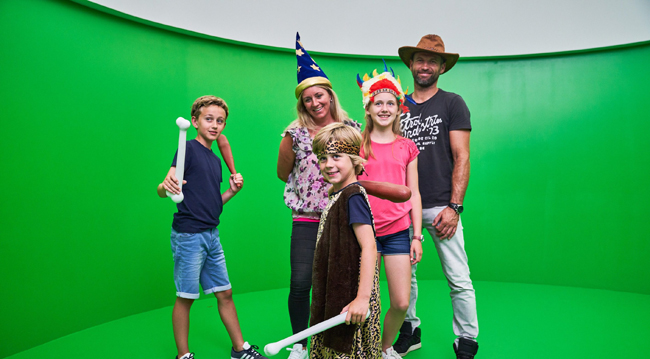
column 367, row 149
column 343, row 133
column 304, row 118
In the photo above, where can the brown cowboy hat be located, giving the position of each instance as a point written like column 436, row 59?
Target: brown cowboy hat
column 432, row 44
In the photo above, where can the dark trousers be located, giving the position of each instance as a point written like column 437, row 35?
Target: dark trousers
column 303, row 244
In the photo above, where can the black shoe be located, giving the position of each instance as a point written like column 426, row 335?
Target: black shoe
column 406, row 328
column 187, row 356
column 407, row 342
column 249, row 352
column 466, row 348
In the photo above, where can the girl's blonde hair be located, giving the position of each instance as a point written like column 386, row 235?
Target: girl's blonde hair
column 367, row 149
column 304, row 118
column 343, row 133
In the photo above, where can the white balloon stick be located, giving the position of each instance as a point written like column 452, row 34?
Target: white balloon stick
column 274, row 348
column 183, row 125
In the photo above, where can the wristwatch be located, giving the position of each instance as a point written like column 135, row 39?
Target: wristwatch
column 419, row 238
column 456, row 207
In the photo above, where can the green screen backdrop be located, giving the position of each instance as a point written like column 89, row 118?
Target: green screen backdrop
column 557, row 195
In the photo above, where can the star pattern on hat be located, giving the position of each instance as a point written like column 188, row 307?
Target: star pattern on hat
column 308, row 72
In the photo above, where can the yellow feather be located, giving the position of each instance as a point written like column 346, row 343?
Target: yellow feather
column 374, row 73
column 366, row 77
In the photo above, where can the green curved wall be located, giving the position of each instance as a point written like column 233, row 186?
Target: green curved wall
column 557, row 196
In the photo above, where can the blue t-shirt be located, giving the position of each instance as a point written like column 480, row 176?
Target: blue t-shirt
column 202, row 204
column 358, row 210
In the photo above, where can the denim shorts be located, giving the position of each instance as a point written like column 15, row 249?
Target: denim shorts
column 198, row 258
column 396, row 243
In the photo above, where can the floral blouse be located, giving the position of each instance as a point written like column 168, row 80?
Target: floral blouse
column 306, row 190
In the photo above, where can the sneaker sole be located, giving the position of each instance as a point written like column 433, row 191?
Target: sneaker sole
column 411, row 348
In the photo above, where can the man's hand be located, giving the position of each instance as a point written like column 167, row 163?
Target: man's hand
column 446, row 223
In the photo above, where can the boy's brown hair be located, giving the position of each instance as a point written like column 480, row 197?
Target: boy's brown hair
column 205, row 101
column 340, row 132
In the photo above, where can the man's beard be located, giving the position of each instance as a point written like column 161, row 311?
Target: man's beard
column 428, row 82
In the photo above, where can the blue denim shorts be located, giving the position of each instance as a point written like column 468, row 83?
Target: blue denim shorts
column 396, row 243
column 198, row 258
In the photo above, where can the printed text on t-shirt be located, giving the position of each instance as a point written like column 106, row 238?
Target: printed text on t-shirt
column 421, row 131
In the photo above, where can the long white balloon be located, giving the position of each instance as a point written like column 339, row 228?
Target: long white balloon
column 183, row 125
column 274, row 348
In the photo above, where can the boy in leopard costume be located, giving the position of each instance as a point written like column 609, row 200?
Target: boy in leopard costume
column 345, row 272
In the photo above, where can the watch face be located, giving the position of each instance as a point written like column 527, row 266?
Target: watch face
column 460, row 209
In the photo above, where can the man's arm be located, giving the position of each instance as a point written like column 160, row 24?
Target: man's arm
column 459, row 141
column 447, row 220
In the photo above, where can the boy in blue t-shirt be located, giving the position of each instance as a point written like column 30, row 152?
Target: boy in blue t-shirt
column 198, row 256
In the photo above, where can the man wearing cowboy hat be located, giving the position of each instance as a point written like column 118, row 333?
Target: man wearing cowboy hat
column 439, row 123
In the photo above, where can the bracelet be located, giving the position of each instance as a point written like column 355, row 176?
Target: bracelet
column 419, row 238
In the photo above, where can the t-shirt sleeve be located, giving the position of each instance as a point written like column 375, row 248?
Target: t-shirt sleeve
column 413, row 151
column 291, row 132
column 174, row 160
column 459, row 114
column 297, row 139
column 188, row 158
column 358, row 210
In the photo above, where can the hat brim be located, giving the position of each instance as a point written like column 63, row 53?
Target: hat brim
column 406, row 53
column 312, row 81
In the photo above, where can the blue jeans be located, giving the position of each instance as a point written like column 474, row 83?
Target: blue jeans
column 199, row 258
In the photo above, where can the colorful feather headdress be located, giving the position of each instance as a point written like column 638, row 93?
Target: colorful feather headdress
column 384, row 82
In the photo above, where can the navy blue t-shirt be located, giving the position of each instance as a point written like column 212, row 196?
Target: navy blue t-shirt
column 428, row 125
column 202, row 204
column 358, row 210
